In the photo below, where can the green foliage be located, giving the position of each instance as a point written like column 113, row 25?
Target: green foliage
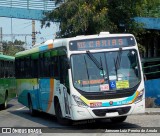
column 83, row 17
column 141, row 48
column 11, row 48
column 122, row 12
column 151, row 8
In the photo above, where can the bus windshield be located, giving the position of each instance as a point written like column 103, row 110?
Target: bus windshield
column 105, row 71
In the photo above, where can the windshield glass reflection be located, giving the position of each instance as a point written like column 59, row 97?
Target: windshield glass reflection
column 107, row 71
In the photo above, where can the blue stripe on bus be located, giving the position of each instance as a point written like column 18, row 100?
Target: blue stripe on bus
column 118, row 103
column 43, row 48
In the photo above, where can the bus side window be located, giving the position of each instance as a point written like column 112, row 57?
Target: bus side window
column 41, row 66
column 10, row 70
column 34, row 68
column 54, row 67
column 17, row 68
column 1, row 70
column 46, row 67
column 63, row 69
column 13, row 69
column 22, row 67
column 27, row 67
column 6, row 69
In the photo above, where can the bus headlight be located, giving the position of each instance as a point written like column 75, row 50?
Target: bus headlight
column 139, row 96
column 79, row 101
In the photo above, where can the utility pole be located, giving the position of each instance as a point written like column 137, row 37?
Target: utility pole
column 11, row 31
column 33, row 33
column 1, row 47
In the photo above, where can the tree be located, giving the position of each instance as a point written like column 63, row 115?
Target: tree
column 150, row 8
column 81, row 17
column 78, row 17
column 11, row 48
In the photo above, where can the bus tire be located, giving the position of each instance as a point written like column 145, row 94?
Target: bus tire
column 30, row 106
column 60, row 119
column 118, row 119
column 4, row 105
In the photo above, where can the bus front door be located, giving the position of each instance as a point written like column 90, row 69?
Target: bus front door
column 64, row 101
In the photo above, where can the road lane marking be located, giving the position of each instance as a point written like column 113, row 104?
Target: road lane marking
column 21, row 108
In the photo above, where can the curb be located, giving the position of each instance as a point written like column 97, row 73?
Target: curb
column 152, row 113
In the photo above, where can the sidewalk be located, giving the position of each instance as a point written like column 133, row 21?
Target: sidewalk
column 152, row 111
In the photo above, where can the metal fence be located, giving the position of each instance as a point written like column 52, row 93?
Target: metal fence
column 29, row 4
column 151, row 70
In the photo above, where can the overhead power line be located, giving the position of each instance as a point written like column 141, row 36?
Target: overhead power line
column 8, row 35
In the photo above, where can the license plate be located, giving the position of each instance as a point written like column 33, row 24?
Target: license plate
column 112, row 114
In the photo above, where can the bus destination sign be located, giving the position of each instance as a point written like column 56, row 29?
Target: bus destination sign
column 101, row 43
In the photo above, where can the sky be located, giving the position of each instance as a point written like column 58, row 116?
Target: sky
column 23, row 26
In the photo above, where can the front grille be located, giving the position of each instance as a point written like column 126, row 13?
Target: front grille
column 102, row 112
column 108, row 95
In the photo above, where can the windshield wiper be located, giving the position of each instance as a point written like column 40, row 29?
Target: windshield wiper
column 118, row 59
column 87, row 71
column 90, row 55
column 117, row 62
column 98, row 64
column 116, row 69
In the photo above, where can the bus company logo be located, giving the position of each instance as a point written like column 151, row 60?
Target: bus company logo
column 111, row 102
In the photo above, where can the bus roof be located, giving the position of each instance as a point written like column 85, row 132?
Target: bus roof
column 6, row 57
column 43, row 47
column 63, row 42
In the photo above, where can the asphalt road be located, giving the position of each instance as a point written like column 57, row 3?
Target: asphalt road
column 17, row 115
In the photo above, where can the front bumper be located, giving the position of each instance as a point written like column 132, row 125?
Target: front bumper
column 82, row 113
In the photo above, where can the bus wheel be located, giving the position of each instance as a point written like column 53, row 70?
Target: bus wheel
column 4, row 105
column 61, row 120
column 30, row 106
column 118, row 119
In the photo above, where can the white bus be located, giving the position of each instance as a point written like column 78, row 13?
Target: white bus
column 83, row 77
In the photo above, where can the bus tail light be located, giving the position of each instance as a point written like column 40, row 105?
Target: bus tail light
column 139, row 96
column 79, row 101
